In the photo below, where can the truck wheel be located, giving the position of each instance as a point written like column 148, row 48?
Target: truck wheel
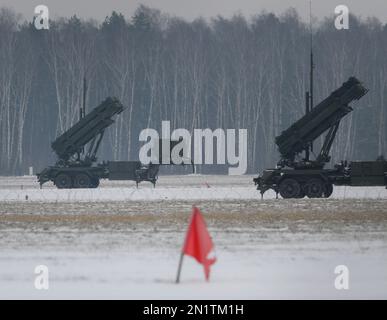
column 63, row 181
column 82, row 180
column 290, row 188
column 328, row 190
column 314, row 188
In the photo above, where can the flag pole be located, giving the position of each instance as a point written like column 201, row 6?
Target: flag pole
column 181, row 257
column 179, row 269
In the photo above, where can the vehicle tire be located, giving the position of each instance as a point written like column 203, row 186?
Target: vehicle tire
column 63, row 181
column 82, row 180
column 290, row 188
column 314, row 188
column 328, row 190
column 94, row 182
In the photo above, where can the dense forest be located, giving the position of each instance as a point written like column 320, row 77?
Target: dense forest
column 219, row 73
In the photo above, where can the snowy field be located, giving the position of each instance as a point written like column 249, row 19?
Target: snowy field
column 189, row 187
column 121, row 242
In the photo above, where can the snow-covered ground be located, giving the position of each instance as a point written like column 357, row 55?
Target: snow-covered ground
column 190, row 187
column 121, row 242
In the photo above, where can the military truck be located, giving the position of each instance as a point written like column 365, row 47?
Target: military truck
column 77, row 149
column 296, row 176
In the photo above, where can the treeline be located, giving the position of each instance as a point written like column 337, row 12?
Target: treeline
column 224, row 73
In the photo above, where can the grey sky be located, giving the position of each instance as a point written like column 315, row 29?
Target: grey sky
column 191, row 9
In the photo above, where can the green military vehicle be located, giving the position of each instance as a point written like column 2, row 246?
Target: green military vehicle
column 296, row 176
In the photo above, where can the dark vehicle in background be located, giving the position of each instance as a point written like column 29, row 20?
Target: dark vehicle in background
column 77, row 149
column 296, row 176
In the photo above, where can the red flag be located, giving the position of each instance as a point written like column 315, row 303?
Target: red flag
column 198, row 243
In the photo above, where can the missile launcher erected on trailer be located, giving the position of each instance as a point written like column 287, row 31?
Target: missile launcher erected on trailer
column 77, row 149
column 296, row 177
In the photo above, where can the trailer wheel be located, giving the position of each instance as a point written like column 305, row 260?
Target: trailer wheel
column 63, row 181
column 290, row 188
column 94, row 182
column 82, row 180
column 328, row 190
column 314, row 188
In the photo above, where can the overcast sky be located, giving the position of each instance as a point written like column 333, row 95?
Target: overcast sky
column 191, row 9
